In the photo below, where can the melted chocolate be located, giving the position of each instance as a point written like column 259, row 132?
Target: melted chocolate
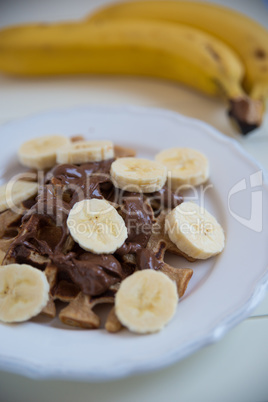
column 84, row 181
column 138, row 217
column 128, row 248
column 94, row 274
column 146, row 259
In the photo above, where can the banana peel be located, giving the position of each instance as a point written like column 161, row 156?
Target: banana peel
column 132, row 47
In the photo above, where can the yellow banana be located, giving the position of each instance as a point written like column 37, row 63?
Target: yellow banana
column 149, row 48
column 248, row 38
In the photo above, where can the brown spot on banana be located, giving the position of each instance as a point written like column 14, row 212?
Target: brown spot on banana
column 260, row 54
column 213, row 52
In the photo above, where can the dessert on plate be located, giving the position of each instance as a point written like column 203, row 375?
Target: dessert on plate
column 90, row 224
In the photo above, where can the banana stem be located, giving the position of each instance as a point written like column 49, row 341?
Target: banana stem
column 246, row 112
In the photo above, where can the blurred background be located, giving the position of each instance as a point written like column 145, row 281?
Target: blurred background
column 39, row 94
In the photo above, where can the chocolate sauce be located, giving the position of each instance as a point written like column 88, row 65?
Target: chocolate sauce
column 74, row 174
column 146, row 259
column 138, row 217
column 94, row 274
column 128, row 248
column 84, row 181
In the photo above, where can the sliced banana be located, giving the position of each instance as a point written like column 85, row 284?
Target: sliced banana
column 194, row 231
column 86, row 151
column 146, row 301
column 40, row 153
column 137, row 174
column 24, row 292
column 96, row 226
column 14, row 192
column 185, row 166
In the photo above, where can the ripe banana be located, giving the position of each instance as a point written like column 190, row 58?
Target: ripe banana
column 185, row 166
column 85, row 151
column 248, row 38
column 146, row 301
column 194, row 231
column 138, row 175
column 148, row 48
column 24, row 292
column 40, row 153
column 13, row 193
column 96, row 226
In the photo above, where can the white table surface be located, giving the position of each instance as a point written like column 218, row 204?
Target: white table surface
column 235, row 368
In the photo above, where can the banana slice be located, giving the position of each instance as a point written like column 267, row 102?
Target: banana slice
column 14, row 192
column 194, row 231
column 24, row 292
column 146, row 301
column 185, row 166
column 96, row 226
column 86, row 151
column 137, row 174
column 40, row 153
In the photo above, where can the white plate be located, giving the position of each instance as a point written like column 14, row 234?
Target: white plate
column 223, row 290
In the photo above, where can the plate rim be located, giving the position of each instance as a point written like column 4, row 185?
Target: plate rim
column 31, row 370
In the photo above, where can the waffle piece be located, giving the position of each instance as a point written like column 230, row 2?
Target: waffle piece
column 181, row 276
column 9, row 219
column 4, row 246
column 50, row 309
column 9, row 228
column 112, row 324
column 123, row 152
column 159, row 241
column 79, row 313
column 77, row 138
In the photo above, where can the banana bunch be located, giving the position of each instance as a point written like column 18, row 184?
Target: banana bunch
column 209, row 48
column 247, row 38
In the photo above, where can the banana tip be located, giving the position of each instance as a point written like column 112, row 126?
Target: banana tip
column 247, row 113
